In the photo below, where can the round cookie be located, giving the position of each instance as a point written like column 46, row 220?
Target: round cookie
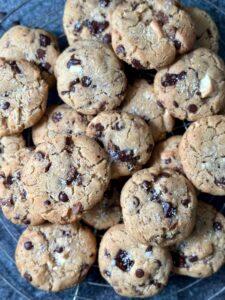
column 106, row 213
column 34, row 45
column 132, row 269
column 90, row 81
column 23, row 96
column 203, row 252
column 166, row 154
column 14, row 198
column 65, row 177
column 88, row 20
column 207, row 35
column 158, row 206
column 58, row 120
column 9, row 145
column 194, row 86
column 202, row 154
column 148, row 34
column 141, row 100
column 126, row 138
column 55, row 257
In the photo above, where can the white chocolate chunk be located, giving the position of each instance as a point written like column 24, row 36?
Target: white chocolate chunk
column 206, row 86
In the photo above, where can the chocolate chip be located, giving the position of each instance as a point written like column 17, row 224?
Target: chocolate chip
column 135, row 201
column 193, row 258
column 118, row 126
column 217, row 226
column 106, row 253
column 136, row 64
column 77, row 208
column 47, row 168
column 172, row 79
column 167, row 161
column 86, row 81
column 5, row 105
column 27, row 276
column 73, row 62
column 122, row 155
column 59, row 249
column 15, row 67
column 139, row 273
column 98, row 129
column 95, row 27
column 28, row 245
column 66, row 233
column 175, row 104
column 44, row 40
column 120, row 50
column 159, row 263
column 57, row 116
column 123, row 261
column 9, row 180
column 160, row 104
column 149, row 249
column 107, row 273
column 209, row 32
column 47, row 202
column 78, row 26
column 192, row 108
column 39, row 155
column 168, row 210
column 185, row 202
column 161, row 17
column 220, row 181
column 104, row 3
column 41, row 53
column 146, row 185
column 45, row 66
column 177, row 44
column 179, row 260
column 63, row 197
column 107, row 39
column 26, row 222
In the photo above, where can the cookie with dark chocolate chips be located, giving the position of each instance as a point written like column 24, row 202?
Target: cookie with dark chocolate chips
column 202, row 154
column 90, row 80
column 158, row 206
column 148, row 34
column 55, row 257
column 193, row 87
column 65, row 177
column 203, row 252
column 131, row 268
column 127, row 139
column 34, row 45
column 89, row 20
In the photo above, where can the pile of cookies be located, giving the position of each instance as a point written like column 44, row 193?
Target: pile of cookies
column 104, row 158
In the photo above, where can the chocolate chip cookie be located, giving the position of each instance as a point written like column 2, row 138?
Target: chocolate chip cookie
column 106, row 213
column 55, row 257
column 149, row 33
column 141, row 100
column 23, row 96
column 14, row 200
column 88, row 20
column 158, row 206
column 203, row 252
column 166, row 154
column 65, row 177
column 90, row 81
column 126, row 138
column 9, row 145
column 58, row 120
column 207, row 35
column 34, row 45
column 202, row 154
column 194, row 86
column 132, row 269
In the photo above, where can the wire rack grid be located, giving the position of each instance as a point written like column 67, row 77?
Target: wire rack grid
column 47, row 14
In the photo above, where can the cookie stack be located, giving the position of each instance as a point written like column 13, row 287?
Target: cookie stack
column 104, row 158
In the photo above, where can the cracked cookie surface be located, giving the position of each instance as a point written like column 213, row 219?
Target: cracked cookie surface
column 166, row 155
column 126, row 138
column 55, row 257
column 34, row 45
column 89, row 19
column 194, row 86
column 107, row 212
column 158, row 206
column 90, row 81
column 65, row 177
column 141, row 100
column 149, row 33
column 202, row 154
column 23, row 96
column 203, row 252
column 58, row 120
column 132, row 269
column 207, row 35
column 9, row 145
column 14, row 199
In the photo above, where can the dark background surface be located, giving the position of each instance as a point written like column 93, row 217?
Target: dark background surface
column 47, row 14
